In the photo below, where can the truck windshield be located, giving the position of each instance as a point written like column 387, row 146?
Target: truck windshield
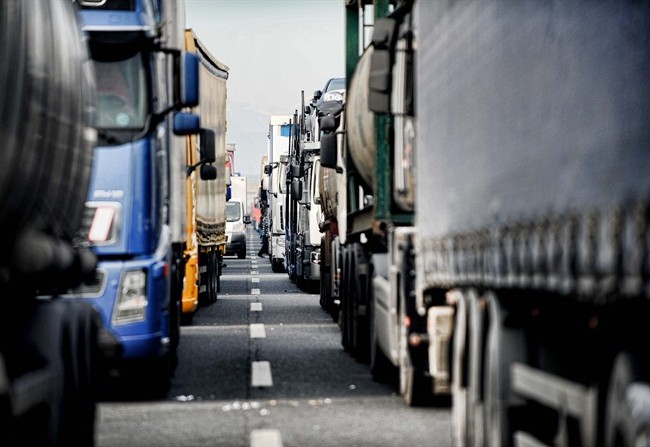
column 233, row 211
column 121, row 93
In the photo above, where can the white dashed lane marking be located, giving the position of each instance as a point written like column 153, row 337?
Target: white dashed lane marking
column 255, row 280
column 255, row 291
column 256, row 307
column 266, row 438
column 261, row 376
column 257, row 330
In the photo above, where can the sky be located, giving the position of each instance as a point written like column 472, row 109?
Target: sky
column 274, row 49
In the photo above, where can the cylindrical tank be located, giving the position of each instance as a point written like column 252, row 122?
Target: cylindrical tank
column 360, row 121
column 46, row 117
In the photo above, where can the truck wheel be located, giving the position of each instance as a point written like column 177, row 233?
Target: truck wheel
column 325, row 294
column 241, row 254
column 460, row 425
column 628, row 403
column 505, row 345
column 80, row 353
column 346, row 302
column 219, row 270
column 276, row 267
column 156, row 376
column 62, row 338
column 208, row 278
column 361, row 302
column 381, row 368
column 476, row 348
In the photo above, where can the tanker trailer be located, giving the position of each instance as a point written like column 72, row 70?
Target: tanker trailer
column 48, row 347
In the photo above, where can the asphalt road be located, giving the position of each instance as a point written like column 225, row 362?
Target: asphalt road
column 263, row 366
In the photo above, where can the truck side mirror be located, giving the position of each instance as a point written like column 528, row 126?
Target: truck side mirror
column 189, row 91
column 268, row 169
column 208, row 172
column 328, row 154
column 296, row 171
column 317, row 94
column 380, row 78
column 207, row 148
column 296, row 190
column 186, row 124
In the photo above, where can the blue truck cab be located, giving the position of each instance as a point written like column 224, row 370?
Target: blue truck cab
column 140, row 83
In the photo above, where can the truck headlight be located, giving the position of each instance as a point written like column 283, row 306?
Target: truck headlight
column 131, row 304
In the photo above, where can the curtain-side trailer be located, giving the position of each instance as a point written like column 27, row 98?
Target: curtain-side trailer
column 206, row 197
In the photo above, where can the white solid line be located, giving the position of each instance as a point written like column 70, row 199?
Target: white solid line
column 256, row 307
column 255, row 280
column 261, row 375
column 266, row 438
column 257, row 330
column 255, row 291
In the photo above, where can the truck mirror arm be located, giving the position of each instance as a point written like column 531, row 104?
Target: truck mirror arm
column 192, row 168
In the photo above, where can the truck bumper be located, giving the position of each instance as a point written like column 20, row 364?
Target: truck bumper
column 314, row 260
column 277, row 248
column 147, row 337
column 236, row 243
column 440, row 323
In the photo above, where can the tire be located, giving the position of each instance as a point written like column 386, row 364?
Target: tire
column 80, row 355
column 476, row 349
column 62, row 336
column 276, row 267
column 345, row 318
column 209, row 278
column 301, row 283
column 460, row 425
column 381, row 368
column 155, row 377
column 467, row 358
column 214, row 276
column 505, row 345
column 325, row 293
column 241, row 254
column 361, row 300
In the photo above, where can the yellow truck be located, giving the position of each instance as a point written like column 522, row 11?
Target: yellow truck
column 206, row 198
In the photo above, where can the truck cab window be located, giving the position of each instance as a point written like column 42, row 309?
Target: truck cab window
column 121, row 93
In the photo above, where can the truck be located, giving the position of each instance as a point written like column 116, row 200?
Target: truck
column 528, row 143
column 303, row 212
column 278, row 153
column 205, row 194
column 144, row 80
column 50, row 349
column 237, row 217
column 368, row 200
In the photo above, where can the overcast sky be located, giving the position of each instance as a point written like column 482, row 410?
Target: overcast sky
column 275, row 49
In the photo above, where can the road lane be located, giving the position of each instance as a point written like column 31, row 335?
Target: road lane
column 320, row 396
